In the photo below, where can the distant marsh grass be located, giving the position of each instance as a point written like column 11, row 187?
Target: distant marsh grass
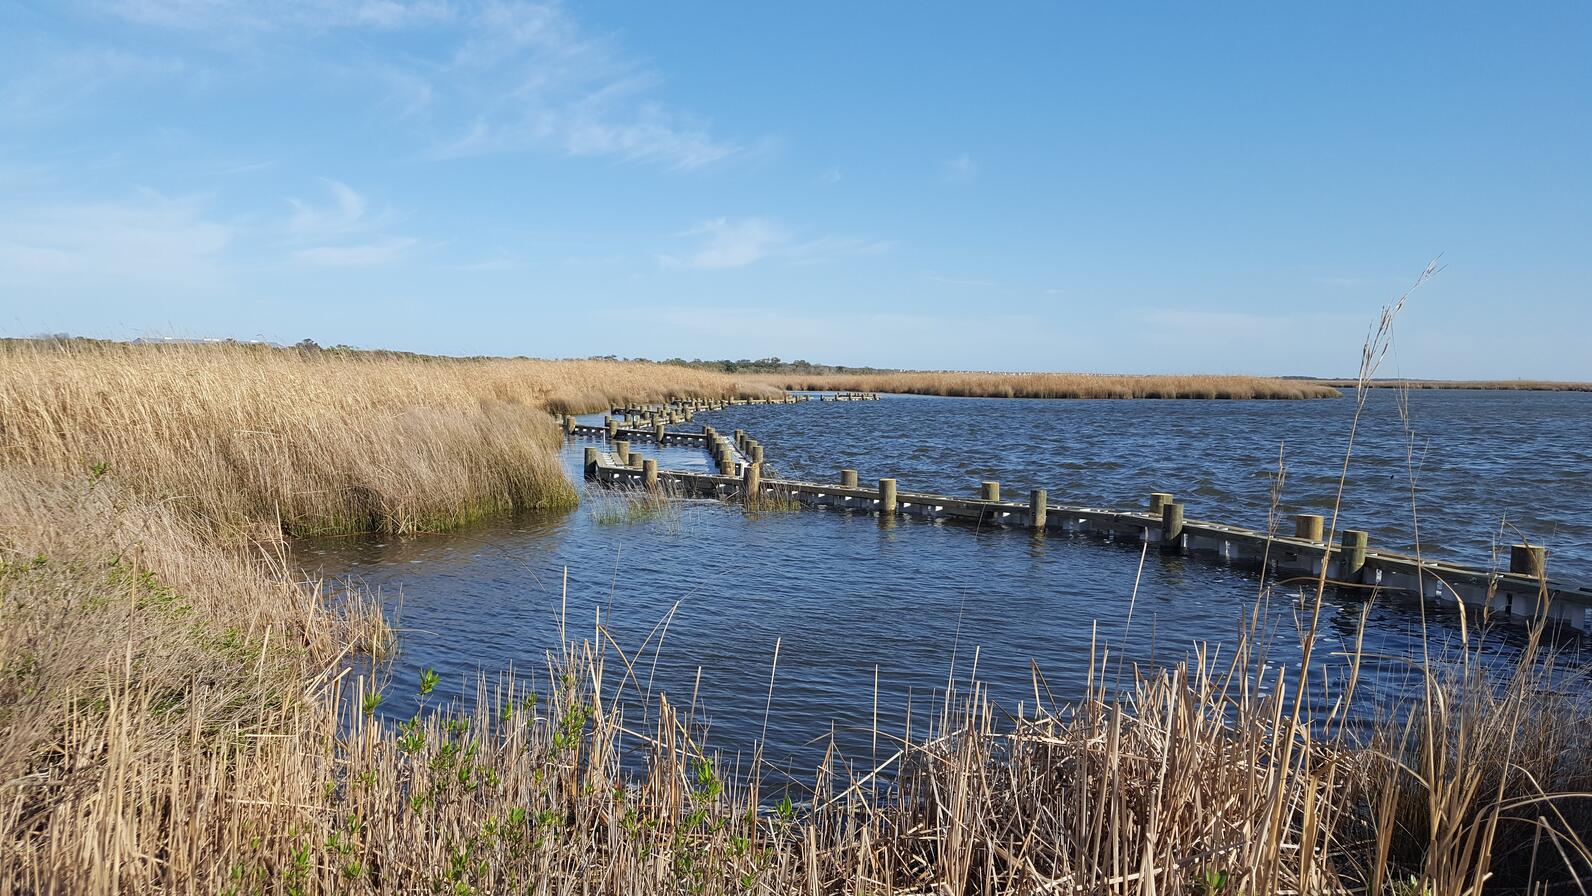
column 1053, row 385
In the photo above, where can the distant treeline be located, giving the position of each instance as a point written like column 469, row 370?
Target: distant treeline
column 769, row 366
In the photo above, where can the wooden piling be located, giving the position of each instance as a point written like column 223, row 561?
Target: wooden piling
column 887, row 496
column 657, row 433
column 569, row 423
column 1171, row 523
column 752, row 482
column 1037, row 508
column 991, row 491
column 757, row 453
column 649, row 474
column 848, row 478
column 1528, row 560
column 1159, row 500
column 591, row 462
column 622, row 451
column 612, row 426
column 1355, row 542
column 1309, row 527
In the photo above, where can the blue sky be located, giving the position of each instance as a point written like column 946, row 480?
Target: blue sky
column 1198, row 187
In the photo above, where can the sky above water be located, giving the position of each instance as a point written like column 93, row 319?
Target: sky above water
column 1194, row 187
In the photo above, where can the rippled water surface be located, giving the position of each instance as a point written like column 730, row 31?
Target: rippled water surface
column 855, row 603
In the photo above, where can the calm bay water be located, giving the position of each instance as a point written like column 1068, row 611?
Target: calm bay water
column 851, row 600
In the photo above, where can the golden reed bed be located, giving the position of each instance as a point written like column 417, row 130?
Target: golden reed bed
column 1498, row 385
column 1052, row 385
column 313, row 441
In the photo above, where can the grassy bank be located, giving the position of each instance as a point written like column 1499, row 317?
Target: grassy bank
column 1501, row 385
column 178, row 712
column 1052, row 385
column 250, row 436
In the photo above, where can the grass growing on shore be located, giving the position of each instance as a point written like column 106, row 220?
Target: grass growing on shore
column 312, row 442
column 1499, row 385
column 1052, row 385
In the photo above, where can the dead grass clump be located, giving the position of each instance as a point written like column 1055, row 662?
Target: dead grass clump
column 1053, row 385
column 127, row 639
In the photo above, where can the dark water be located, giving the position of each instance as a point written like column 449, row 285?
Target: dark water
column 851, row 599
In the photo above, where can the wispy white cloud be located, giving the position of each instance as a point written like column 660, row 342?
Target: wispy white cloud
column 504, row 76
column 343, row 231
column 738, row 242
column 961, row 169
column 141, row 240
column 528, row 76
column 46, row 87
column 380, row 252
column 251, row 15
column 727, row 243
column 345, row 212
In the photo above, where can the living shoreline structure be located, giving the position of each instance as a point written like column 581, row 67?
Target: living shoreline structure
column 1521, row 593
column 181, row 712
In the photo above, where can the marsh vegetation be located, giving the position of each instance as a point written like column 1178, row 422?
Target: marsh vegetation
column 180, row 711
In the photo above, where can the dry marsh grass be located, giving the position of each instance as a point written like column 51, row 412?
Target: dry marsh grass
column 178, row 715
column 1499, row 385
column 310, row 442
column 1053, row 385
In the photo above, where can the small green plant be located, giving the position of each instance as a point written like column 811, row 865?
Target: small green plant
column 1213, row 882
column 428, row 681
column 371, row 702
column 785, row 808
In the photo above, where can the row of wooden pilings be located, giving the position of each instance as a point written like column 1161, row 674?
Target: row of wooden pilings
column 746, row 456
column 741, row 475
column 1524, row 559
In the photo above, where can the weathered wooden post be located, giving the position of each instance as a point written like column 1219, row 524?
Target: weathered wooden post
column 887, row 496
column 740, row 439
column 991, row 491
column 569, row 424
column 657, row 433
column 757, row 453
column 848, row 478
column 636, row 459
column 591, row 462
column 1309, row 527
column 1355, row 542
column 752, row 482
column 1159, row 500
column 622, row 451
column 1528, row 560
column 1171, row 523
column 649, row 474
column 612, row 426
column 1037, row 508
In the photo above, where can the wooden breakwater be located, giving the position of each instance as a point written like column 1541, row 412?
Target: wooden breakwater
column 1521, row 592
